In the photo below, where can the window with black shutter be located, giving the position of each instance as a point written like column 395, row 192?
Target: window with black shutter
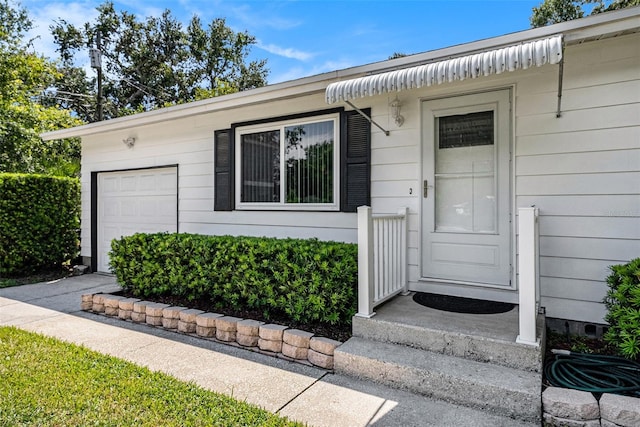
column 287, row 163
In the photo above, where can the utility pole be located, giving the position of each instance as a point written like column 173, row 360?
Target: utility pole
column 96, row 62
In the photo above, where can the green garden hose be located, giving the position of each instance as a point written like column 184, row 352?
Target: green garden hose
column 594, row 373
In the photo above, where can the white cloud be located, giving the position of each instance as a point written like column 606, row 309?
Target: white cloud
column 287, row 52
column 75, row 13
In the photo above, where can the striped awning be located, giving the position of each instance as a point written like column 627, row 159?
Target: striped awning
column 511, row 58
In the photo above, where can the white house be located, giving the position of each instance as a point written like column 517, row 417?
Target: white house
column 462, row 136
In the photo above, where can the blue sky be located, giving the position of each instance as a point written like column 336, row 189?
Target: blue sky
column 306, row 37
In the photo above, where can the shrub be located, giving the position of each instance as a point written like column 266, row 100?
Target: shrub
column 306, row 280
column 39, row 218
column 623, row 308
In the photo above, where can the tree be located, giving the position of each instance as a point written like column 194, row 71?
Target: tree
column 554, row 11
column 153, row 63
column 23, row 77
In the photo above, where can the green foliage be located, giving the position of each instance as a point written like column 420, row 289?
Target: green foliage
column 306, row 280
column 39, row 218
column 46, row 382
column 623, row 308
column 152, row 62
column 23, row 77
column 555, row 11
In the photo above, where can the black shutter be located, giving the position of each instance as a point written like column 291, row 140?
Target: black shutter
column 223, row 170
column 355, row 160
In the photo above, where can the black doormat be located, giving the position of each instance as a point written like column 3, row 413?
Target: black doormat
column 461, row 305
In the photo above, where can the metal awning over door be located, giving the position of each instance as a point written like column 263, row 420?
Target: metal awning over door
column 511, row 58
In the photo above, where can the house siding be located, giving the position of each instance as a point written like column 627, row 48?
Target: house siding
column 581, row 170
column 188, row 142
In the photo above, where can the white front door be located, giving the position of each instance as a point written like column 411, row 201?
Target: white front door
column 466, row 230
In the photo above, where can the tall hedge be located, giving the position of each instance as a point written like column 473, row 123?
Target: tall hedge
column 39, row 218
column 304, row 280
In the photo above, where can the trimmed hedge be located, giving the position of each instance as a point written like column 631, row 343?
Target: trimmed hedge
column 39, row 219
column 623, row 308
column 306, row 280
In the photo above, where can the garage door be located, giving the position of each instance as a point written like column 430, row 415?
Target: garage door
column 132, row 202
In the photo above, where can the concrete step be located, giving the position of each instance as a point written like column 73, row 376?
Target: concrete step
column 497, row 389
column 458, row 336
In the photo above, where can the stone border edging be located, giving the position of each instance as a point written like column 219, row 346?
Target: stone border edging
column 274, row 340
column 567, row 407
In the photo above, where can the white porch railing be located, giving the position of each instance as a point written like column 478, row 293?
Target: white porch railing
column 528, row 276
column 382, row 258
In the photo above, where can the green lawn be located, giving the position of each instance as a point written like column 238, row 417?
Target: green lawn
column 45, row 382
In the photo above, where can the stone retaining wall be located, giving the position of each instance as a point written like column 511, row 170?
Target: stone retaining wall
column 574, row 408
column 275, row 340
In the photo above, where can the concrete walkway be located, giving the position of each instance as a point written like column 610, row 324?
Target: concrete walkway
column 299, row 392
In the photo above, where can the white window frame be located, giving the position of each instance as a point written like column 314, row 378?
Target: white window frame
column 282, row 205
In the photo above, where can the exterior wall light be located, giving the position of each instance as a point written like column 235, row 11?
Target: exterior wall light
column 395, row 111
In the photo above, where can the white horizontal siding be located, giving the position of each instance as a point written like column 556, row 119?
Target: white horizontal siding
column 582, row 171
column 580, row 141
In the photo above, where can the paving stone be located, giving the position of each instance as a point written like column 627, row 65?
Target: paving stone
column 207, row 319
column 549, row 420
column 274, row 346
column 187, row 322
column 127, row 303
column 171, row 317
column 570, row 404
column 226, row 336
column 297, row 338
column 154, row 320
column 294, row 352
column 112, row 301
column 247, row 340
column 124, row 314
column 111, row 311
column 172, row 312
column 189, row 315
column 320, row 359
column 620, row 410
column 205, row 331
column 605, row 423
column 324, row 345
column 141, row 306
column 227, row 324
column 138, row 317
column 249, row 327
column 155, row 309
column 272, row 332
column 170, row 323
column 186, row 327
